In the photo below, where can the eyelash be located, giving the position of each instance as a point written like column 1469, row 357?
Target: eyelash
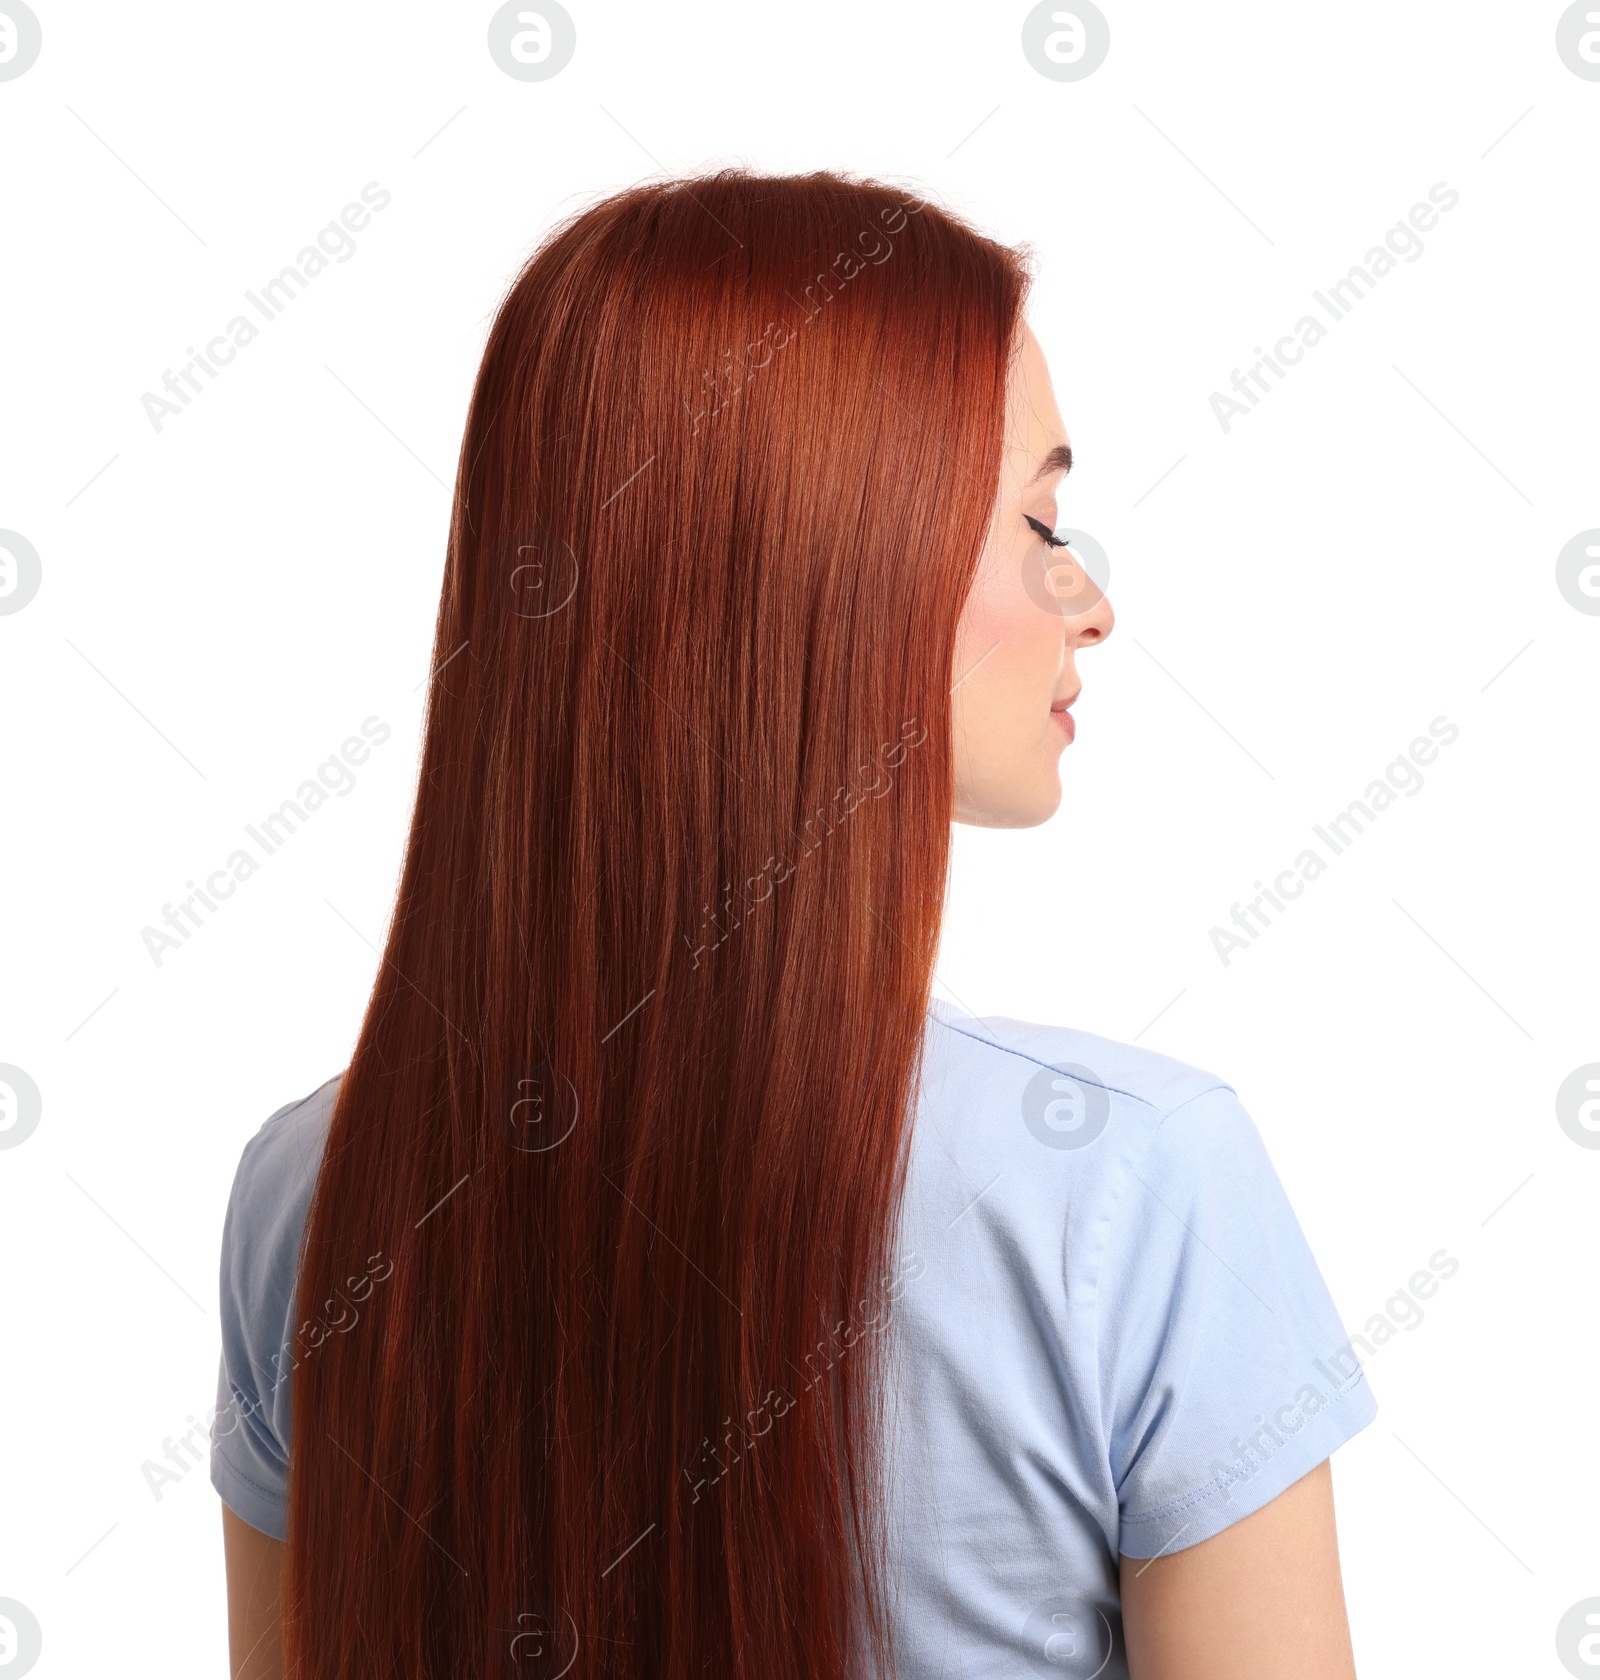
column 1044, row 531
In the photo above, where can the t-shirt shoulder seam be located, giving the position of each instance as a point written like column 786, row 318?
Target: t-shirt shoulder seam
column 1119, row 1202
column 1147, row 1149
column 295, row 1107
column 1210, row 1091
column 1038, row 1061
column 272, row 1129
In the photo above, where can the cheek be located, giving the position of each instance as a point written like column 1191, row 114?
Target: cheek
column 1005, row 709
column 1032, row 645
column 1000, row 609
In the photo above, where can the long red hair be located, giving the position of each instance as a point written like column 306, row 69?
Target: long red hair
column 606, row 1212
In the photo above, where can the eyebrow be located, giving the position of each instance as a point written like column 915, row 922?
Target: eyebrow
column 1058, row 460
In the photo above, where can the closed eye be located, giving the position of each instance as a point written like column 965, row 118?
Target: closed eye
column 1044, row 531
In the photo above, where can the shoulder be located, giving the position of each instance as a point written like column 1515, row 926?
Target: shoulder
column 999, row 1053
column 1023, row 1091
column 1059, row 1139
column 277, row 1171
column 261, row 1235
column 267, row 1209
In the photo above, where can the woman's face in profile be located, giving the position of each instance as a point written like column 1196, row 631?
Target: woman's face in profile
column 1032, row 606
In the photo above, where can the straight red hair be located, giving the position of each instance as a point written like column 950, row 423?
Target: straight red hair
column 614, row 1171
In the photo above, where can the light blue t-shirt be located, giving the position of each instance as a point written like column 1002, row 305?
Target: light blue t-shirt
column 1103, row 1333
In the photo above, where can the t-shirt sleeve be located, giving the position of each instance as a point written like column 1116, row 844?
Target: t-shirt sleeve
column 1226, row 1374
column 260, row 1252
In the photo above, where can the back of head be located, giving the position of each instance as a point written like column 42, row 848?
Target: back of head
column 653, row 996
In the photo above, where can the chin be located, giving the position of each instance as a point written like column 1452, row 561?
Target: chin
column 1049, row 804
column 1040, row 801
column 1012, row 802
column 1024, row 808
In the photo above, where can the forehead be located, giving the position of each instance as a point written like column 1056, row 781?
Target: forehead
column 1033, row 420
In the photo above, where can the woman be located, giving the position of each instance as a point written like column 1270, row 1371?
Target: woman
column 667, row 1286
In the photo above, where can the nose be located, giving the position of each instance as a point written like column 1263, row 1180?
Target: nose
column 1094, row 623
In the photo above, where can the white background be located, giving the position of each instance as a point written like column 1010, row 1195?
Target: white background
column 1373, row 546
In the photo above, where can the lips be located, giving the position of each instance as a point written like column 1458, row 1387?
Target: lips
column 1062, row 716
